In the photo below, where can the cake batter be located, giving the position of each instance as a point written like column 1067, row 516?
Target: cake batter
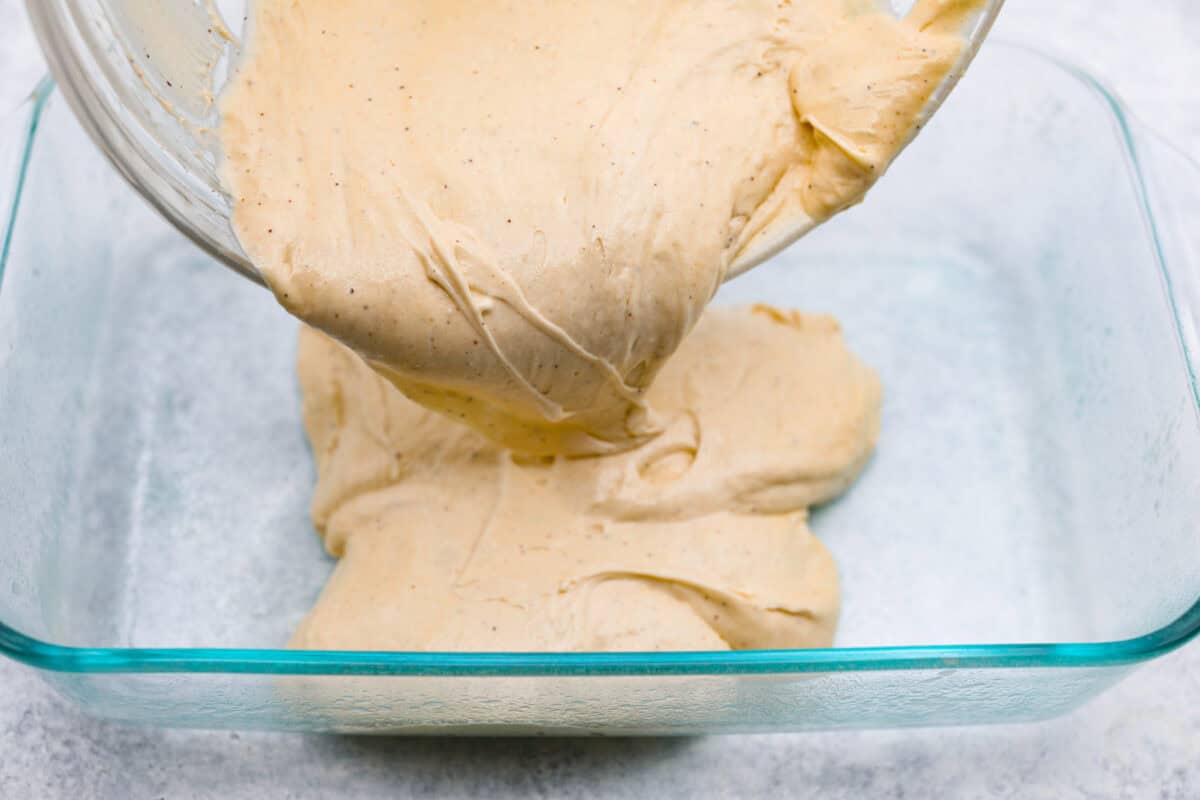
column 516, row 213
column 698, row 540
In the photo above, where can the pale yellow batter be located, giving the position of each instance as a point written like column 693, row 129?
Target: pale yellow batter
column 698, row 540
column 516, row 212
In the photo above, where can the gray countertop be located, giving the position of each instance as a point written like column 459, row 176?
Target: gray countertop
column 1140, row 740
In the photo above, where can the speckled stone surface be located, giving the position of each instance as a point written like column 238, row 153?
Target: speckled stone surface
column 1140, row 740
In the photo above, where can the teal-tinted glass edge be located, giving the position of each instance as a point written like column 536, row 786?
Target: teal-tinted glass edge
column 59, row 658
column 38, row 100
column 742, row 662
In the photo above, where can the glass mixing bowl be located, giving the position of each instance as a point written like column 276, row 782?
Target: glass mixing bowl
column 143, row 77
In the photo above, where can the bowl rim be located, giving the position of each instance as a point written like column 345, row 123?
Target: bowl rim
column 275, row 661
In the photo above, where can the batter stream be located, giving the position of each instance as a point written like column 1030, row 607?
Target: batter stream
column 516, row 214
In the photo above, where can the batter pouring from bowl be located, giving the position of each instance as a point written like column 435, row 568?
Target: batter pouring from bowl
column 515, row 213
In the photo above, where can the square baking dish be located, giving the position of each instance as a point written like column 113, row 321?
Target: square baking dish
column 1026, row 535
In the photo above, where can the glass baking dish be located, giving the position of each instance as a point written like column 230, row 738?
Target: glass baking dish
column 1026, row 535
